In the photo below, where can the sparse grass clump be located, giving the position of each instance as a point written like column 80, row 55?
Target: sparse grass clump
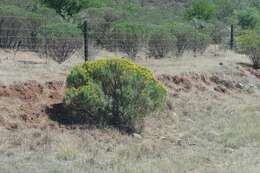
column 114, row 92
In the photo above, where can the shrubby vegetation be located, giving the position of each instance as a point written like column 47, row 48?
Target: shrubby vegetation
column 249, row 42
column 16, row 31
column 129, row 25
column 183, row 33
column 114, row 92
column 127, row 37
column 160, row 43
column 60, row 40
column 248, row 18
column 37, row 28
column 200, row 9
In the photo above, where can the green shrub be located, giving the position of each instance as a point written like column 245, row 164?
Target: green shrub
column 224, row 9
column 60, row 40
column 71, row 7
column 29, row 5
column 100, row 24
column 127, row 37
column 249, row 43
column 248, row 18
column 64, row 7
column 199, row 42
column 96, row 3
column 15, row 11
column 160, row 43
column 114, row 92
column 183, row 33
column 200, row 9
column 219, row 32
column 18, row 27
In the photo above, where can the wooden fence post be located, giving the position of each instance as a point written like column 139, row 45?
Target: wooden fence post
column 232, row 37
column 86, row 53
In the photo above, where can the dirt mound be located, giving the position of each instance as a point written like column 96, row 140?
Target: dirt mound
column 28, row 91
column 27, row 105
column 255, row 72
column 201, row 82
column 30, row 101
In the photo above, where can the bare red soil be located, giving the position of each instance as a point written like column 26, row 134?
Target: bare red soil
column 30, row 102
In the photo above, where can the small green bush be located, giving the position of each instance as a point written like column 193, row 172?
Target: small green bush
column 100, row 24
column 18, row 28
column 128, row 37
column 200, row 9
column 224, row 9
column 114, row 92
column 219, row 32
column 199, row 42
column 183, row 33
column 161, row 43
column 64, row 7
column 249, row 43
column 60, row 40
column 248, row 18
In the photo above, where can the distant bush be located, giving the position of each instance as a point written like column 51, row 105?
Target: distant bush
column 60, row 40
column 160, row 43
column 71, row 7
column 25, row 4
column 200, row 9
column 183, row 33
column 225, row 9
column 113, row 92
column 219, row 32
column 248, row 18
column 199, row 42
column 249, row 43
column 96, row 3
column 190, row 37
column 127, row 37
column 100, row 25
column 18, row 27
column 64, row 7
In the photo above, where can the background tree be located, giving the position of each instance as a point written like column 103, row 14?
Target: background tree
column 200, row 9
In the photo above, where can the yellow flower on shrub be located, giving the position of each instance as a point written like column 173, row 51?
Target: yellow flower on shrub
column 114, row 92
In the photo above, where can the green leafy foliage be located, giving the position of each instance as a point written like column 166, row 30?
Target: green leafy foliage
column 18, row 27
column 249, row 42
column 200, row 9
column 128, row 37
column 248, row 18
column 64, row 7
column 128, row 26
column 199, row 41
column 160, row 43
column 71, row 7
column 114, row 92
column 225, row 9
column 12, row 10
column 183, row 33
column 61, row 40
column 96, row 3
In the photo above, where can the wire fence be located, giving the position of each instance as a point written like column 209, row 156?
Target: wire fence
column 27, row 34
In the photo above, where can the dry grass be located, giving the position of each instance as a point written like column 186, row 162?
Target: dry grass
column 204, row 132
